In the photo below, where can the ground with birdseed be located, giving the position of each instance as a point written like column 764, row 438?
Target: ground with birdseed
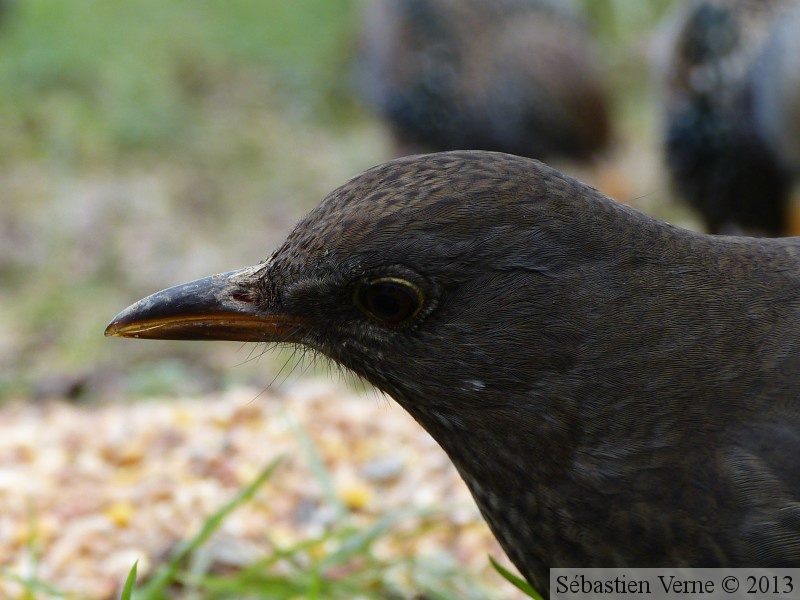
column 87, row 490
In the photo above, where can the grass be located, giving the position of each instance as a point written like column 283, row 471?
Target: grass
column 344, row 561
column 142, row 138
column 89, row 81
column 339, row 564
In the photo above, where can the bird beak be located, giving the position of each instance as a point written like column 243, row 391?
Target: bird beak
column 220, row 307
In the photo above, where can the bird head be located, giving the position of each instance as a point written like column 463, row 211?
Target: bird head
column 443, row 279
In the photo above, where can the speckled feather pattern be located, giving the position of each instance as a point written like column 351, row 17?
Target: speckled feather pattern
column 614, row 390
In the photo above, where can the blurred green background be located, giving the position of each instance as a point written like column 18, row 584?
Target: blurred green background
column 144, row 143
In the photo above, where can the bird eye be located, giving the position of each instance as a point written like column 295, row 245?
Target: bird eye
column 390, row 300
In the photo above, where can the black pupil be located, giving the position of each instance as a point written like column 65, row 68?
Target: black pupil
column 389, row 301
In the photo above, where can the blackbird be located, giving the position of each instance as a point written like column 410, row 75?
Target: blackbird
column 615, row 391
column 777, row 89
column 517, row 76
column 729, row 69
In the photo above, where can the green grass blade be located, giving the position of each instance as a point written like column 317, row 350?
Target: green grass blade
column 321, row 473
column 167, row 573
column 127, row 590
column 31, row 586
column 520, row 583
column 357, row 542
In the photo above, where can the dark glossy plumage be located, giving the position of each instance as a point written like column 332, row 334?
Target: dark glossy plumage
column 615, row 391
column 517, row 76
column 720, row 154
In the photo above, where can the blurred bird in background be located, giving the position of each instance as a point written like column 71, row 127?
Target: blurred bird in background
column 518, row 76
column 730, row 75
column 777, row 90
